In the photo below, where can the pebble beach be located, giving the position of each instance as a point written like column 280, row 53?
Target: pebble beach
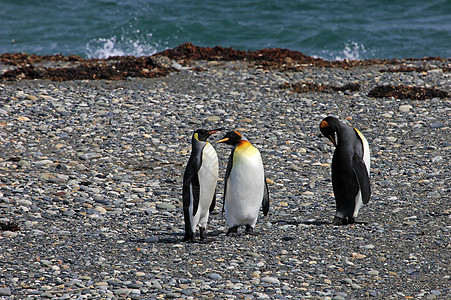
column 91, row 180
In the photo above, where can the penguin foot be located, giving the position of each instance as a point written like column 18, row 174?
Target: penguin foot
column 250, row 230
column 202, row 233
column 189, row 237
column 339, row 221
column 233, row 231
column 351, row 220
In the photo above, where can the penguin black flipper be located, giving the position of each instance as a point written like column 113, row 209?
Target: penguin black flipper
column 186, row 203
column 196, row 193
column 359, row 167
column 191, row 178
column 213, row 202
column 265, row 203
column 190, row 181
column 227, row 174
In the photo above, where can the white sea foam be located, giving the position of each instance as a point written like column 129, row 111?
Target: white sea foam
column 352, row 51
column 107, row 47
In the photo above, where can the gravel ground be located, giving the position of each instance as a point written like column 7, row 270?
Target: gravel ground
column 91, row 172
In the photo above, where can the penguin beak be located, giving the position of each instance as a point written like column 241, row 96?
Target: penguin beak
column 223, row 140
column 215, row 130
column 332, row 139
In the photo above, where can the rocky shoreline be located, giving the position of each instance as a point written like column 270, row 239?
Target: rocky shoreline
column 91, row 170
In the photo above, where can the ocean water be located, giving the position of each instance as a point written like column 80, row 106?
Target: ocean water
column 330, row 29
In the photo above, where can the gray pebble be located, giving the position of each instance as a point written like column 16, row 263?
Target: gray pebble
column 437, row 125
column 214, row 276
column 5, row 291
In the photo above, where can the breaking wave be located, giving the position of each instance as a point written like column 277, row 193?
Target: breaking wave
column 107, row 47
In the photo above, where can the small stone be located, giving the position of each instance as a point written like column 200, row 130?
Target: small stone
column 435, row 292
column 437, row 125
column 269, row 279
column 254, row 254
column 37, row 232
column 214, row 276
column 308, row 194
column 23, row 163
column 213, row 119
column 369, row 246
column 23, row 119
column 8, row 233
column 55, row 268
column 347, row 281
column 391, row 139
column 437, row 159
column 122, row 291
column 44, row 162
column 373, row 293
column 165, row 206
column 358, row 255
column 373, row 272
column 24, row 202
column 151, row 239
column 5, row 291
column 435, row 71
column 46, row 295
column 101, row 210
column 31, row 97
column 138, row 190
column 85, row 278
column 405, row 108
column 260, row 264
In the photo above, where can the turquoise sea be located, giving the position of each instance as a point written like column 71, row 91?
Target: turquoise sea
column 330, row 29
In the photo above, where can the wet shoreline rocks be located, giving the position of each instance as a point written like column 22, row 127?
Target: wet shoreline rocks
column 91, row 170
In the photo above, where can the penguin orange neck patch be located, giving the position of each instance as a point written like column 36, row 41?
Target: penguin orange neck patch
column 244, row 143
column 324, row 124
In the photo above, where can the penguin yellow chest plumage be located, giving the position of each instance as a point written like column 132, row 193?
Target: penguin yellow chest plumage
column 245, row 186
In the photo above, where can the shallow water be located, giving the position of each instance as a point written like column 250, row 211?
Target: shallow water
column 327, row 29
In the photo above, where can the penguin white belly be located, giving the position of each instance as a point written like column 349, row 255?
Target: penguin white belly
column 366, row 160
column 358, row 204
column 245, row 187
column 208, row 177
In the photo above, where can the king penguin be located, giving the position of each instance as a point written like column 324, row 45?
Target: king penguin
column 245, row 188
column 350, row 169
column 199, row 184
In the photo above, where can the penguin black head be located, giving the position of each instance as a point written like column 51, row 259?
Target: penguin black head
column 203, row 134
column 231, row 138
column 329, row 127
